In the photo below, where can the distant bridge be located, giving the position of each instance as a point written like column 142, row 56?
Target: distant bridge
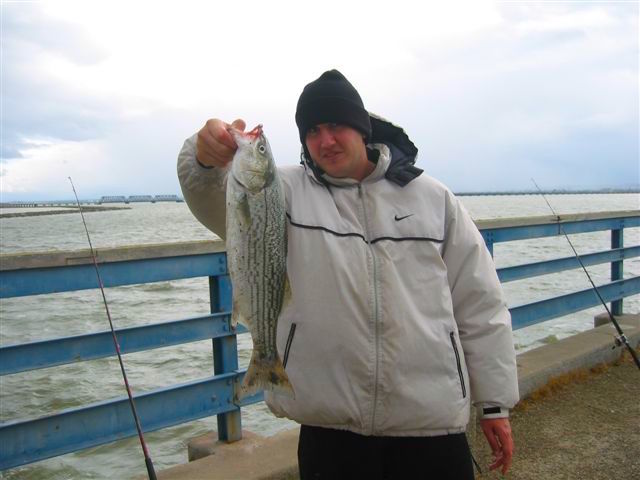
column 140, row 199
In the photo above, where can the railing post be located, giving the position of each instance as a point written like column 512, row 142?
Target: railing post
column 617, row 241
column 225, row 355
column 488, row 241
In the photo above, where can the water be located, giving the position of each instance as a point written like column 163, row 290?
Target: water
column 50, row 390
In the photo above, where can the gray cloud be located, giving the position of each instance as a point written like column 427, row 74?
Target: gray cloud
column 559, row 104
column 556, row 100
column 27, row 28
column 35, row 106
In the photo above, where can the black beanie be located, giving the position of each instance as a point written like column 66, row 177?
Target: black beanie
column 331, row 99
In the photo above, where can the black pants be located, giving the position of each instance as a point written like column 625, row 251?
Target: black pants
column 324, row 453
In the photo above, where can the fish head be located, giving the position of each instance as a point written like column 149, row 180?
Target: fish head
column 253, row 166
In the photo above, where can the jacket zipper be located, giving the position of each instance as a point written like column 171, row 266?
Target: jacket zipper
column 376, row 317
column 455, row 350
column 287, row 348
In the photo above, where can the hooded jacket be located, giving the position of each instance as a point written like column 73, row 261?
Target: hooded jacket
column 397, row 319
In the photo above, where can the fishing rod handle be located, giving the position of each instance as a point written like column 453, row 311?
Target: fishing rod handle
column 150, row 470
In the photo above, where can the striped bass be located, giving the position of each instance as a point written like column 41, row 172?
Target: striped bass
column 257, row 256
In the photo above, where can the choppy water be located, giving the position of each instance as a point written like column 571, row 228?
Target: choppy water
column 46, row 316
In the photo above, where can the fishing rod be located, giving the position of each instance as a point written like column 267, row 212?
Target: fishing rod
column 147, row 458
column 621, row 339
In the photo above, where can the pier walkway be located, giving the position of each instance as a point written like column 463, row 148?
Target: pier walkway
column 580, row 420
column 587, row 429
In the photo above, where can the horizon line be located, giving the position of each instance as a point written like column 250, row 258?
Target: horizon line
column 150, row 198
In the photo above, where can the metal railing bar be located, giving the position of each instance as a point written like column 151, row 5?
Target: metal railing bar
column 527, row 232
column 28, row 441
column 519, row 272
column 536, row 312
column 37, row 281
column 79, row 348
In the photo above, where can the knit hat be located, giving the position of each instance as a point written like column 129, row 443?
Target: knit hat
column 331, row 98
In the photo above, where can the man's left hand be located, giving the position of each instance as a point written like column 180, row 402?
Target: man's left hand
column 498, row 433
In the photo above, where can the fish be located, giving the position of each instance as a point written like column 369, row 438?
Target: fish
column 256, row 244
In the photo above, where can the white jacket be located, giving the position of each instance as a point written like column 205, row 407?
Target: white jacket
column 399, row 315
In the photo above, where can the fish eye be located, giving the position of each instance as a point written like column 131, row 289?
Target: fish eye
column 262, row 148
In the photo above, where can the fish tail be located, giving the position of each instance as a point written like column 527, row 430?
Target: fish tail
column 265, row 374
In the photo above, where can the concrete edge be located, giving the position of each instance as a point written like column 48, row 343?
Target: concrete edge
column 253, row 457
column 106, row 255
column 552, row 219
column 583, row 350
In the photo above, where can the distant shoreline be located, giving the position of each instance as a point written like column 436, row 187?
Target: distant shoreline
column 59, row 212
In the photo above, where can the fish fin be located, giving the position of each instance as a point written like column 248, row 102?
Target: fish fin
column 236, row 316
column 235, row 313
column 265, row 375
column 244, row 210
column 286, row 299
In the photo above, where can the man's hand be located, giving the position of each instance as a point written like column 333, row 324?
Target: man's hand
column 215, row 146
column 498, row 433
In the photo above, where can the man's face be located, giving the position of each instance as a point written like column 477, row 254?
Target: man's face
column 339, row 150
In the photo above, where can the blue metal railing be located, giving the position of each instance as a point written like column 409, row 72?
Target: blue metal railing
column 25, row 441
column 614, row 292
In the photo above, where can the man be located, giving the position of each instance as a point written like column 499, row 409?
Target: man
column 398, row 315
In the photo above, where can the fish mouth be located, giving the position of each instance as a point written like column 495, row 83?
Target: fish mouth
column 250, row 136
column 256, row 132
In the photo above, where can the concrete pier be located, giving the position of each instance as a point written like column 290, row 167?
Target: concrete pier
column 611, row 397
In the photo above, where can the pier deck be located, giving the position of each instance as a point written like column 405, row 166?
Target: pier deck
column 580, row 420
column 588, row 429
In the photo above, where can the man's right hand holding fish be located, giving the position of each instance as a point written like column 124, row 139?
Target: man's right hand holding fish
column 215, row 145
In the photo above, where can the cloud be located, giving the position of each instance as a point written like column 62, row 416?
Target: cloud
column 491, row 92
column 35, row 106
column 26, row 28
column 40, row 159
column 530, row 96
column 138, row 156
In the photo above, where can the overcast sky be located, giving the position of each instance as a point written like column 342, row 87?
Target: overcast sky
column 492, row 93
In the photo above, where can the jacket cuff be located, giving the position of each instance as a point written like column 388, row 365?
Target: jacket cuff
column 193, row 175
column 488, row 411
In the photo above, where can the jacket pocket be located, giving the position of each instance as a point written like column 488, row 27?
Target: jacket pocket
column 287, row 348
column 458, row 363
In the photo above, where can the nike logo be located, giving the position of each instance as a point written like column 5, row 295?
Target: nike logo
column 402, row 218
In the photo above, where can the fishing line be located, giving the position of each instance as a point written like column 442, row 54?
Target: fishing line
column 621, row 339
column 147, row 458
